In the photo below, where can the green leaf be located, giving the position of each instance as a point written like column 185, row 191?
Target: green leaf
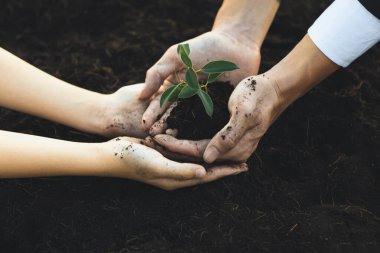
column 183, row 51
column 185, row 58
column 219, row 66
column 174, row 94
column 213, row 76
column 170, row 94
column 186, row 47
column 165, row 95
column 187, row 92
column 192, row 78
column 207, row 102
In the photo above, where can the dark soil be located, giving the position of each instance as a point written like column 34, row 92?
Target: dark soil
column 315, row 182
column 190, row 119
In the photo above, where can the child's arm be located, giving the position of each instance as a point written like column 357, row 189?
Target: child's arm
column 24, row 155
column 27, row 89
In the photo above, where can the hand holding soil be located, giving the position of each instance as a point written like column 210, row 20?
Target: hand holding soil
column 130, row 158
column 253, row 105
column 204, row 48
column 316, row 180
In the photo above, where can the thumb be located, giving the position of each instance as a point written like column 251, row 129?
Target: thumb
column 161, row 70
column 226, row 139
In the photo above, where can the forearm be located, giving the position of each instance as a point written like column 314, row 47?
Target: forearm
column 27, row 89
column 344, row 31
column 31, row 156
column 303, row 68
column 246, row 19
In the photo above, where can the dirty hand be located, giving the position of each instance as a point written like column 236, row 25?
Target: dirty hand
column 121, row 112
column 129, row 158
column 257, row 102
column 214, row 45
column 254, row 106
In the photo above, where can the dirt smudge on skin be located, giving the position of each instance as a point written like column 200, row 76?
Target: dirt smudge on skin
column 317, row 166
column 252, row 84
column 117, row 125
column 120, row 150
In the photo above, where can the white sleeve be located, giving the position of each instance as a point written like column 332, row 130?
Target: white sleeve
column 345, row 31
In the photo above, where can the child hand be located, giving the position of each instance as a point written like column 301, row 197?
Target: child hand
column 129, row 158
column 121, row 112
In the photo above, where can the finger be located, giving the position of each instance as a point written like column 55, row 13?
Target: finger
column 155, row 76
column 180, row 171
column 149, row 142
column 213, row 174
column 160, row 126
column 227, row 138
column 177, row 157
column 225, row 170
column 186, row 147
column 172, row 132
column 153, row 113
column 155, row 110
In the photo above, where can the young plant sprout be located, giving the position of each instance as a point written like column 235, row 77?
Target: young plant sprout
column 191, row 85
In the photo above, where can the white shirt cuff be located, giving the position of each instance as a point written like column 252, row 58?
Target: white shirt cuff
column 345, row 31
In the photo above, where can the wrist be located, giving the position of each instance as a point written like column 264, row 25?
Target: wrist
column 246, row 20
column 95, row 110
column 289, row 82
column 249, row 42
column 104, row 159
column 302, row 69
column 84, row 159
column 118, row 157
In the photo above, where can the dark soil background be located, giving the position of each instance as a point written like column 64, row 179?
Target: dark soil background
column 314, row 182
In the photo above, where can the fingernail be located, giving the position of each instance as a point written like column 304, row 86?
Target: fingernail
column 237, row 172
column 211, row 154
column 199, row 173
column 244, row 168
column 241, row 170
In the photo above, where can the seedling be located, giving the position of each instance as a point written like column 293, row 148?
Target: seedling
column 191, row 86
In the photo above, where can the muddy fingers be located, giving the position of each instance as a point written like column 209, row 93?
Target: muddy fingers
column 160, row 126
column 186, row 147
column 225, row 140
column 213, row 174
column 153, row 113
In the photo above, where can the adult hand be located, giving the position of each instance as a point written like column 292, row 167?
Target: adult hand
column 215, row 45
column 257, row 102
column 254, row 106
column 128, row 158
